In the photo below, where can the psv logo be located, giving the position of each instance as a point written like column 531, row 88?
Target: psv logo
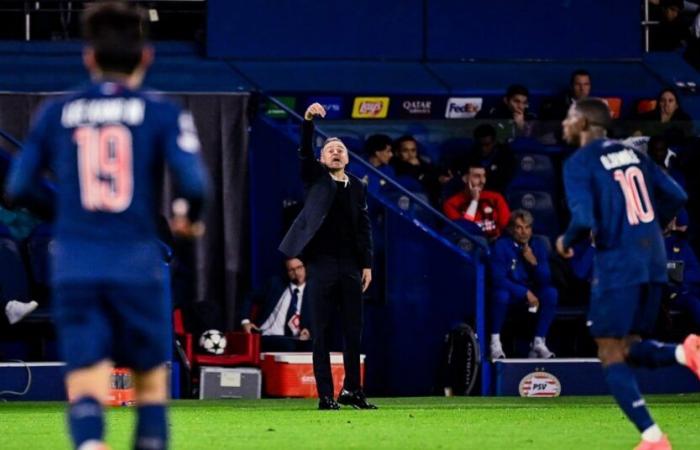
column 539, row 384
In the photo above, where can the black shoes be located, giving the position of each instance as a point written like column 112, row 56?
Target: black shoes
column 355, row 399
column 327, row 403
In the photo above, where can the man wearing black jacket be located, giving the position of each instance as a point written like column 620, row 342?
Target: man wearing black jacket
column 332, row 236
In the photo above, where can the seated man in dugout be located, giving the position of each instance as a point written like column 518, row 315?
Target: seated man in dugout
column 521, row 278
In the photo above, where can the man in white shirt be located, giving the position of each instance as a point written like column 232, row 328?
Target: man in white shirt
column 282, row 311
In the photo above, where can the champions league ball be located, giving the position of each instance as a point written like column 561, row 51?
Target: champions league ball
column 213, row 341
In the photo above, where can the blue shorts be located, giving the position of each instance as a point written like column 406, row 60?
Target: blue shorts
column 623, row 311
column 126, row 323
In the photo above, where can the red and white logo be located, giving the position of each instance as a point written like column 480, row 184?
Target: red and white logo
column 539, row 384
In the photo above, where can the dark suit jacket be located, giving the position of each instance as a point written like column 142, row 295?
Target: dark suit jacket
column 266, row 301
column 320, row 192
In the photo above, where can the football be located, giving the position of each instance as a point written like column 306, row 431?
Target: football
column 213, row 341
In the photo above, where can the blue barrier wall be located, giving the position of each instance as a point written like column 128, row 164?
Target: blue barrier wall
column 271, row 29
column 567, row 29
column 424, row 29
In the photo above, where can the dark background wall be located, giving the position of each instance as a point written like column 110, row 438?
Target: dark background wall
column 424, row 29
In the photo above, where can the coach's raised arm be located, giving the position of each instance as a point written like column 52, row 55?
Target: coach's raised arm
column 311, row 168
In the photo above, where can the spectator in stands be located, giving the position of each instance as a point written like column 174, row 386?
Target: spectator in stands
column 521, row 277
column 497, row 159
column 684, row 288
column 672, row 32
column 667, row 117
column 283, row 311
column 579, row 88
column 514, row 109
column 379, row 153
column 413, row 171
column 661, row 154
column 487, row 210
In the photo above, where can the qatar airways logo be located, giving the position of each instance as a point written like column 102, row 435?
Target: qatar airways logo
column 463, row 107
column 417, row 107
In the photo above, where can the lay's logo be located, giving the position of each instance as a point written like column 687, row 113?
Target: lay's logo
column 370, row 107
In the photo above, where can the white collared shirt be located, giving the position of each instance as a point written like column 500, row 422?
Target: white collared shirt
column 274, row 325
column 345, row 179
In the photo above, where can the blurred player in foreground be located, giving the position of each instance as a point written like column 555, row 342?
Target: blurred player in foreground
column 106, row 146
column 621, row 198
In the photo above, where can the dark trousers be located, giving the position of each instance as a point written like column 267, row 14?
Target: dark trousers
column 336, row 287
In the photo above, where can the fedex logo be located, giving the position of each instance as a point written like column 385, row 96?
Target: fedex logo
column 463, row 107
column 370, row 107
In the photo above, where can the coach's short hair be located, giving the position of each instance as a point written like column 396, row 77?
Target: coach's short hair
column 331, row 140
column 596, row 111
column 522, row 214
column 117, row 31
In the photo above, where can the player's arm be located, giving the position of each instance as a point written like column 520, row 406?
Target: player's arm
column 23, row 179
column 669, row 197
column 579, row 196
column 364, row 238
column 191, row 183
column 311, row 169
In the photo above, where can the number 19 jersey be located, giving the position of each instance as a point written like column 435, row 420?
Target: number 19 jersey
column 622, row 198
column 107, row 146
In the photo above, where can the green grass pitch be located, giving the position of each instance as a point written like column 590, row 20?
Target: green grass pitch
column 569, row 423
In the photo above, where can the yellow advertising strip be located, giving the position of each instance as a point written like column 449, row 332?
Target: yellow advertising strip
column 370, row 108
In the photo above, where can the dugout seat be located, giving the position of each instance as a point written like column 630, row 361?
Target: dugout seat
column 534, row 171
column 242, row 349
column 541, row 206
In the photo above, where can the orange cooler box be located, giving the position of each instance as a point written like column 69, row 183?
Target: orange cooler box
column 288, row 374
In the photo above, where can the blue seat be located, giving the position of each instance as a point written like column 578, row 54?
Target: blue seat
column 534, row 171
column 541, row 206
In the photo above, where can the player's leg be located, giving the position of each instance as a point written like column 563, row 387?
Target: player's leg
column 548, row 297
column 83, row 336
column 500, row 301
column 151, row 389
column 623, row 386
column 650, row 353
column 140, row 315
column 611, row 317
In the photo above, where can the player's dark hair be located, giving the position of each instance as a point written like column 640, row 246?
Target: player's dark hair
column 672, row 4
column 670, row 91
column 117, row 32
column 578, row 73
column 376, row 143
column 396, row 146
column 517, row 89
column 484, row 130
column 596, row 112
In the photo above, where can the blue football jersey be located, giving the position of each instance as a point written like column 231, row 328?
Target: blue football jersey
column 107, row 146
column 623, row 198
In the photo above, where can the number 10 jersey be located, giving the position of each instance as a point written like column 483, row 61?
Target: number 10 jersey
column 623, row 199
